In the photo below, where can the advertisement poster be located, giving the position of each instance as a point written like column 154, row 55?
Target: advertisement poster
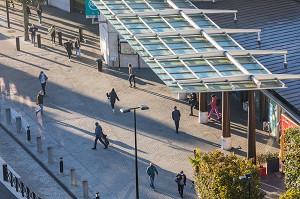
column 272, row 116
column 285, row 123
column 91, row 10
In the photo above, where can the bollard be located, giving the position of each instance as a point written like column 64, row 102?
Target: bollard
column 8, row 116
column 18, row 43
column 39, row 42
column 59, row 38
column 39, row 144
column 5, row 173
column 97, row 195
column 50, row 154
column 17, row 184
column 28, row 134
column 73, row 177
column 22, row 189
column 28, row 192
column 80, row 35
column 85, row 189
column 99, row 64
column 61, row 166
column 18, row 124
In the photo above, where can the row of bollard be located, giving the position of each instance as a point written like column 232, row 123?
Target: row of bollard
column 50, row 154
column 39, row 41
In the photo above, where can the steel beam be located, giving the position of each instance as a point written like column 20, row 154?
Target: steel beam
column 251, row 152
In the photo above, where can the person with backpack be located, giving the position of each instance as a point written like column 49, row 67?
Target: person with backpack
column 112, row 96
column 214, row 106
column 69, row 47
column 181, row 182
column 151, row 170
column 99, row 136
column 33, row 30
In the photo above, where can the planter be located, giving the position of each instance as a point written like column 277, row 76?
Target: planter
column 263, row 171
column 273, row 165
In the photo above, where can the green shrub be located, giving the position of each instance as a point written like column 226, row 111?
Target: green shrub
column 291, row 194
column 292, row 158
column 218, row 177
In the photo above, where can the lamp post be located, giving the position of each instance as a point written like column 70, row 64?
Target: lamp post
column 127, row 110
column 7, row 14
column 247, row 178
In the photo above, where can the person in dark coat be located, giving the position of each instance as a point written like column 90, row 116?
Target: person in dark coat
column 176, row 117
column 39, row 11
column 33, row 31
column 181, row 182
column 43, row 79
column 69, row 47
column 193, row 102
column 99, row 136
column 112, row 98
column 40, row 102
column 52, row 32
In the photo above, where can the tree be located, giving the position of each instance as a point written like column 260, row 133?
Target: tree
column 25, row 3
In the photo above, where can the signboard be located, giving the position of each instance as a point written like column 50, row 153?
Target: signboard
column 91, row 10
column 272, row 116
column 285, row 123
column 126, row 48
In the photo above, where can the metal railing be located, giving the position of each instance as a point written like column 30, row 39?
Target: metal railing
column 14, row 181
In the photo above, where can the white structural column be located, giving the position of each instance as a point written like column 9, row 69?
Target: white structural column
column 203, row 111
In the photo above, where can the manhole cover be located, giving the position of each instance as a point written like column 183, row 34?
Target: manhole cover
column 11, row 31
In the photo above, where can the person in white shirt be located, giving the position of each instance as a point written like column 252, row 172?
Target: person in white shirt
column 43, row 79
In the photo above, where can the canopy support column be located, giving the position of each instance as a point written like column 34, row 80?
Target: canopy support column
column 203, row 112
column 251, row 127
column 226, row 136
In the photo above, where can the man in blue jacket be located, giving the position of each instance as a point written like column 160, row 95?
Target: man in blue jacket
column 151, row 170
column 99, row 135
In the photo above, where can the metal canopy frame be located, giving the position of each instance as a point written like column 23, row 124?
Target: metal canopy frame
column 186, row 49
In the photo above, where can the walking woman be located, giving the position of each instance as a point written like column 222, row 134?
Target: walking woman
column 69, row 47
column 112, row 98
column 39, row 11
column 77, row 47
column 214, row 107
column 52, row 32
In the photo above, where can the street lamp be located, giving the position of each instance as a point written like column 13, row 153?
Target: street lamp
column 127, row 110
column 247, row 178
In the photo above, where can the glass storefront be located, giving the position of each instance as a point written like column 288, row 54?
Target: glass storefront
column 78, row 6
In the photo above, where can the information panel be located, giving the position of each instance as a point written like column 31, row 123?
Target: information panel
column 91, row 10
column 126, row 48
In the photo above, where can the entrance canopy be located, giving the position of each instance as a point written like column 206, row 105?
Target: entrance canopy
column 186, row 49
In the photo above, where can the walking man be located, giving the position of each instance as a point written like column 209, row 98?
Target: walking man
column 131, row 75
column 77, row 47
column 40, row 102
column 193, row 102
column 52, row 32
column 151, row 170
column 43, row 79
column 176, row 117
column 69, row 47
column 39, row 13
column 33, row 30
column 112, row 98
column 214, row 107
column 181, row 182
column 99, row 136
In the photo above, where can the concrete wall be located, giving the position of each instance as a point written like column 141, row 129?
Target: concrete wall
column 61, row 4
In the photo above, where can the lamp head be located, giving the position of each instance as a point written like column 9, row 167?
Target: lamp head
column 144, row 107
column 125, row 110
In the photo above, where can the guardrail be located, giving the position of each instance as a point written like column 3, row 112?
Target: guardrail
column 8, row 176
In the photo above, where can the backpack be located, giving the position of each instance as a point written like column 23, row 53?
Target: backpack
column 218, row 102
column 178, row 179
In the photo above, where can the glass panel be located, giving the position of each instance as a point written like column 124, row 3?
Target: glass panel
column 183, row 51
column 261, row 71
column 195, row 62
column 160, row 52
column 245, row 85
column 174, row 63
column 226, row 67
column 164, row 77
column 131, row 20
column 207, row 74
column 179, row 45
column 155, row 47
column 218, row 61
column 138, row 5
column 184, row 28
column 251, row 66
column 181, row 76
column 270, row 84
column 229, row 73
column 162, row 29
column 135, row 25
column 243, row 60
column 158, row 25
column 219, row 87
column 193, row 88
column 177, row 70
column 202, row 68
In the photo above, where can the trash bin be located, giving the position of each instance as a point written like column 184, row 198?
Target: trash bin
column 99, row 64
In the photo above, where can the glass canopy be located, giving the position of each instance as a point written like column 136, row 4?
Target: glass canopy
column 173, row 38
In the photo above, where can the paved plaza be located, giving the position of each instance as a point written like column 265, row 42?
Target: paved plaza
column 76, row 99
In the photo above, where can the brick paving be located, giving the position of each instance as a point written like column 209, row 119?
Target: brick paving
column 76, row 99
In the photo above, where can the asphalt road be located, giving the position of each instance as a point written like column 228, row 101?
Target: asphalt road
column 5, row 193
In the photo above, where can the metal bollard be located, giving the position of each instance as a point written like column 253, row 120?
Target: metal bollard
column 28, row 192
column 50, row 154
column 73, row 177
column 18, row 124
column 39, row 41
column 85, row 189
column 28, row 134
column 39, row 144
column 5, row 172
column 99, row 64
column 59, row 34
column 17, row 184
column 61, row 166
column 80, row 35
column 22, row 189
column 97, row 195
column 18, row 43
column 8, row 116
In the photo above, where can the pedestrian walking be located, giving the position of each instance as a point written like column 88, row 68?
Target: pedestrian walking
column 39, row 11
column 69, row 47
column 176, row 117
column 112, row 96
column 131, row 75
column 214, row 107
column 77, row 47
column 40, row 102
column 33, row 31
column 28, row 10
column 193, row 101
column 99, row 136
column 12, row 3
column 181, row 182
column 43, row 79
column 151, row 170
column 52, row 32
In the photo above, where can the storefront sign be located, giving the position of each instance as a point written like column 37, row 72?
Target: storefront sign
column 91, row 10
column 285, row 123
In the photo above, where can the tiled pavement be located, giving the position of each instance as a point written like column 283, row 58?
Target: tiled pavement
column 76, row 99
